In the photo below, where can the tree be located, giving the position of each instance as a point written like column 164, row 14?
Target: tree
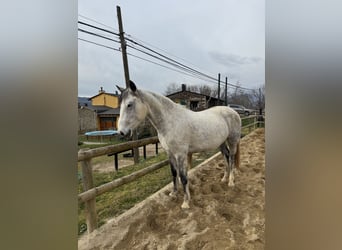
column 205, row 90
column 259, row 96
column 243, row 97
column 172, row 88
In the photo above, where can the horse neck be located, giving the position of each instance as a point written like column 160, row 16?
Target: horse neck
column 160, row 110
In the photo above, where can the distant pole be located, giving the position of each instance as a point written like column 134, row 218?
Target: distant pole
column 225, row 92
column 218, row 89
column 125, row 64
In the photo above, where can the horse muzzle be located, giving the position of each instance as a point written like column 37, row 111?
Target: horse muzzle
column 125, row 132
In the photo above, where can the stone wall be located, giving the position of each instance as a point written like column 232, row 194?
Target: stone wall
column 86, row 120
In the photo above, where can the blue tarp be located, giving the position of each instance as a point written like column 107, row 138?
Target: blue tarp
column 101, row 132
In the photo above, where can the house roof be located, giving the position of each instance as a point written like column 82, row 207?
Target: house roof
column 99, row 109
column 193, row 93
column 111, row 94
column 186, row 91
column 110, row 111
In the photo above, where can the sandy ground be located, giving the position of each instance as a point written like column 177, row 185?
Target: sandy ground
column 219, row 217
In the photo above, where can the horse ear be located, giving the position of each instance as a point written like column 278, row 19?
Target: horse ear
column 120, row 89
column 132, row 86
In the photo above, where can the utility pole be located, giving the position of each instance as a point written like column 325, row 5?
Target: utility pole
column 125, row 64
column 225, row 92
column 218, row 89
column 123, row 46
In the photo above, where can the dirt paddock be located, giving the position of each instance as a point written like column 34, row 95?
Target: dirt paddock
column 219, row 217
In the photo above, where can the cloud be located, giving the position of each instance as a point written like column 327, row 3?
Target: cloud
column 233, row 60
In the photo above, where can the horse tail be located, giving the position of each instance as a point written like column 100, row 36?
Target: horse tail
column 237, row 156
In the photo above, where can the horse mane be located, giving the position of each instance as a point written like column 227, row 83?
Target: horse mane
column 167, row 102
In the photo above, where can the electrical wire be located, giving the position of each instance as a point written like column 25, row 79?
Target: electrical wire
column 168, row 58
column 98, row 35
column 98, row 28
column 160, row 56
column 104, row 25
column 98, row 44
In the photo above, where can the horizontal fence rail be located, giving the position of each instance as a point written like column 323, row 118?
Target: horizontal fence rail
column 88, row 197
column 118, row 148
column 92, row 193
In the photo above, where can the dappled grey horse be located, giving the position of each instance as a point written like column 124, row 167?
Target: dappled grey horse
column 182, row 132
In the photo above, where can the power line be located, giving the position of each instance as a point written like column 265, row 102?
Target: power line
column 141, row 41
column 187, row 67
column 168, row 58
column 98, row 44
column 92, row 26
column 160, row 56
column 144, row 59
column 98, row 35
column 163, row 60
column 190, row 73
column 141, row 58
column 153, row 46
column 98, row 28
column 105, row 25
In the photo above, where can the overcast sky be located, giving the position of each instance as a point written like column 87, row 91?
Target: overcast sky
column 218, row 36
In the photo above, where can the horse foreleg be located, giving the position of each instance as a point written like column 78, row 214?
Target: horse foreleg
column 175, row 179
column 184, row 179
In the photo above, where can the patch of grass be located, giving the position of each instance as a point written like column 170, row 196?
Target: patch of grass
column 122, row 198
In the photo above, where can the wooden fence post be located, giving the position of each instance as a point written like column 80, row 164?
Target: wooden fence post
column 144, row 151
column 90, row 205
column 116, row 162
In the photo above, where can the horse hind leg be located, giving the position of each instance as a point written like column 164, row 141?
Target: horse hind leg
column 225, row 152
column 234, row 158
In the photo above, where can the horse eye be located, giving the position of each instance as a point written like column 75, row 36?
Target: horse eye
column 129, row 105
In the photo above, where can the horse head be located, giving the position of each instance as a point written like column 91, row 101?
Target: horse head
column 132, row 109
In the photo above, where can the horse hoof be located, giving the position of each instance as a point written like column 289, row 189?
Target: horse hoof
column 223, row 179
column 185, row 205
column 231, row 184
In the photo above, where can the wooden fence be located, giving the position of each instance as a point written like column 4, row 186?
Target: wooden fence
column 85, row 156
column 257, row 121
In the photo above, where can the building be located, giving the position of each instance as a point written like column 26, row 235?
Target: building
column 107, row 108
column 104, row 105
column 103, row 98
column 87, row 119
column 193, row 100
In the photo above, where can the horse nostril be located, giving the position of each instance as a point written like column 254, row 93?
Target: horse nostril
column 122, row 133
